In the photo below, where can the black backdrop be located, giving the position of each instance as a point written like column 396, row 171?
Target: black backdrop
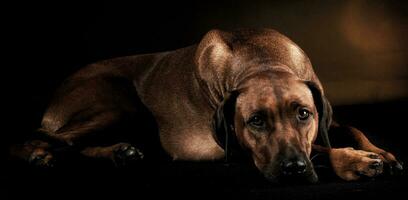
column 47, row 41
column 349, row 42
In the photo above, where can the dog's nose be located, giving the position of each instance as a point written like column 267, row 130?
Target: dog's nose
column 293, row 167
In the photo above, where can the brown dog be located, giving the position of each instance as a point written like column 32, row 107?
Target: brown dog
column 253, row 87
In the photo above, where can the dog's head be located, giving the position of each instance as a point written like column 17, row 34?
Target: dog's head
column 276, row 117
column 270, row 111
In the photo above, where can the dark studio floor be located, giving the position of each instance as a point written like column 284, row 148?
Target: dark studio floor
column 384, row 123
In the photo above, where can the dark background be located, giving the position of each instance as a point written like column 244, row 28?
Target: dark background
column 358, row 49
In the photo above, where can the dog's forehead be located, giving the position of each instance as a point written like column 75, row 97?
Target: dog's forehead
column 275, row 93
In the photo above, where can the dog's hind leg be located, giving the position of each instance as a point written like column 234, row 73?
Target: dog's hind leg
column 79, row 131
column 36, row 152
column 72, row 137
column 98, row 111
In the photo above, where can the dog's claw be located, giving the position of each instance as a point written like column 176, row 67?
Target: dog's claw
column 395, row 168
column 399, row 166
column 376, row 165
column 41, row 159
column 127, row 153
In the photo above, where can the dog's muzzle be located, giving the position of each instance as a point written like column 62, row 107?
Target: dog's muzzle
column 295, row 170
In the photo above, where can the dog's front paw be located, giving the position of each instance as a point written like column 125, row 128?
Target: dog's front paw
column 350, row 164
column 391, row 165
column 41, row 158
column 125, row 153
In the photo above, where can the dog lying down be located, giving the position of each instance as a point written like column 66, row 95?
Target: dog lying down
column 251, row 92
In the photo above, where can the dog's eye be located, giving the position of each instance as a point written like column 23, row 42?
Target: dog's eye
column 256, row 121
column 303, row 113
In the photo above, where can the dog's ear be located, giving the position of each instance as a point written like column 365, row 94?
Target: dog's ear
column 213, row 56
column 223, row 122
column 325, row 112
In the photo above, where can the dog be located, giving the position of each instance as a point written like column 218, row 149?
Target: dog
column 250, row 92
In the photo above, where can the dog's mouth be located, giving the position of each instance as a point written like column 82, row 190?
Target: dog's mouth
column 276, row 176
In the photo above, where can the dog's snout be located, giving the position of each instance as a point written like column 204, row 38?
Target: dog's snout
column 293, row 167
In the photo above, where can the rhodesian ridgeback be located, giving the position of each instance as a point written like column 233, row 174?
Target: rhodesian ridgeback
column 250, row 89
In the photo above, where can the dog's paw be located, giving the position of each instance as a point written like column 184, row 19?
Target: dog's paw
column 391, row 165
column 125, row 154
column 350, row 164
column 41, row 158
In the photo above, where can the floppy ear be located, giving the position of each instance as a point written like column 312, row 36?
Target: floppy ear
column 212, row 58
column 224, row 123
column 213, row 51
column 325, row 112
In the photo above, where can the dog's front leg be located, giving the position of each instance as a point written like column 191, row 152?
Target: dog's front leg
column 347, row 136
column 121, row 154
column 351, row 164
